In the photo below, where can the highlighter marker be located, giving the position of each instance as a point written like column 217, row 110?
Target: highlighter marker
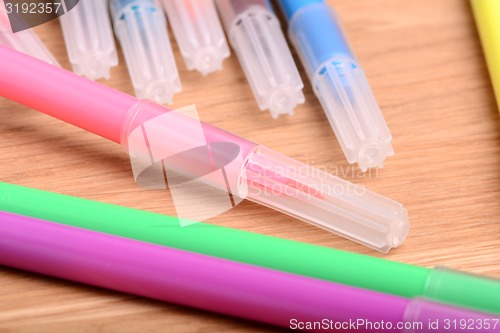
column 262, row 175
column 339, row 82
column 256, row 37
column 205, row 282
column 363, row 271
column 140, row 26
column 487, row 15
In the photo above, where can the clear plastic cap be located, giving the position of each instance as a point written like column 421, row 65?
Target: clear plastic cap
column 89, row 39
column 140, row 26
column 256, row 36
column 341, row 86
column 25, row 41
column 199, row 34
column 326, row 201
column 353, row 112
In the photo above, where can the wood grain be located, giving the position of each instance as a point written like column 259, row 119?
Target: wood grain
column 425, row 65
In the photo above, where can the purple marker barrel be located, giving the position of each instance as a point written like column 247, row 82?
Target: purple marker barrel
column 205, row 282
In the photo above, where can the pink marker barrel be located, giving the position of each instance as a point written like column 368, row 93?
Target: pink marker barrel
column 65, row 96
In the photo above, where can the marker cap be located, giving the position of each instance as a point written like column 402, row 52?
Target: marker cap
column 199, row 34
column 324, row 200
column 140, row 26
column 89, row 39
column 340, row 84
column 258, row 41
column 353, row 112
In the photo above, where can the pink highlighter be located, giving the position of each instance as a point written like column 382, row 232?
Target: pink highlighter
column 259, row 174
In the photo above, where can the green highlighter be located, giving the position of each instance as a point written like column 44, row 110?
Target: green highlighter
column 300, row 258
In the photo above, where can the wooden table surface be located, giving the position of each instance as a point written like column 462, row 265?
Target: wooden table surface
column 426, row 67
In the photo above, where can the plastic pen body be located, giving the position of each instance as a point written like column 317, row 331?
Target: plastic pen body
column 256, row 37
column 140, row 26
column 70, row 98
column 183, row 277
column 368, row 272
column 258, row 174
column 338, row 82
column 205, row 282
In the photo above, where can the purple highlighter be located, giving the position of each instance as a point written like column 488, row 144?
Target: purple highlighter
column 219, row 285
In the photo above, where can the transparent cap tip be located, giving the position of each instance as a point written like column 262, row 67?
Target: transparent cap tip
column 401, row 230
column 94, row 67
column 159, row 91
column 353, row 112
column 372, row 153
column 199, row 34
column 207, row 60
column 283, row 100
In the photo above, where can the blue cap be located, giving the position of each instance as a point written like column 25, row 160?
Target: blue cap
column 289, row 7
column 117, row 5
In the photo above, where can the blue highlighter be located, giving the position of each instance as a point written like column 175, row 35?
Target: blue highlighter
column 339, row 82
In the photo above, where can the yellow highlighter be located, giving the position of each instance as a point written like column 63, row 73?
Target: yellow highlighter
column 487, row 15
